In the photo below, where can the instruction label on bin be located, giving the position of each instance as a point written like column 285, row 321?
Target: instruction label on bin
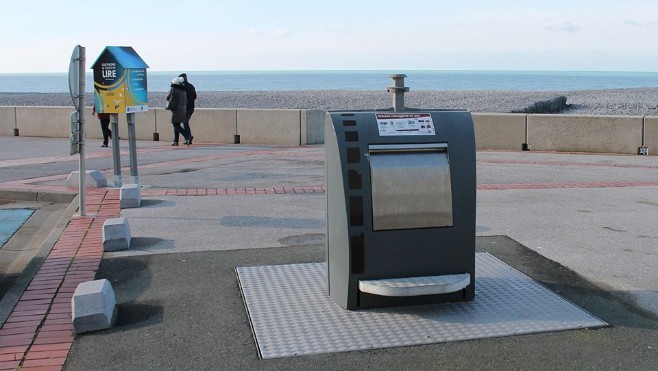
column 390, row 124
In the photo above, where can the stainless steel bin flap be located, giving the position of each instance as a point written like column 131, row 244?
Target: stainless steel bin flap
column 411, row 186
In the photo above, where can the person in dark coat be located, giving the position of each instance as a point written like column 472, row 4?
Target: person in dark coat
column 190, row 92
column 178, row 107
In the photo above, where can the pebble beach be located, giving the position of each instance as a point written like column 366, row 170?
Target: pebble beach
column 625, row 102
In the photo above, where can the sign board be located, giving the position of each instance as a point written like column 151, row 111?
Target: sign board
column 74, row 138
column 396, row 124
column 75, row 121
column 74, row 77
column 120, row 83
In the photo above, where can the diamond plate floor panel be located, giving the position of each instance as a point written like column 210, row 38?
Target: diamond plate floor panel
column 291, row 313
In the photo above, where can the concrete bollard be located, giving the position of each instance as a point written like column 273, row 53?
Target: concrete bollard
column 130, row 196
column 116, row 234
column 93, row 306
column 93, row 179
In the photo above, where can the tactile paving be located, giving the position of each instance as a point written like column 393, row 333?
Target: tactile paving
column 291, row 313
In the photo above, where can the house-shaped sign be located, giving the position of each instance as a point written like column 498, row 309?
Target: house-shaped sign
column 120, row 81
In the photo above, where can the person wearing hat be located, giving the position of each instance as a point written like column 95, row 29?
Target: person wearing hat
column 190, row 92
column 177, row 104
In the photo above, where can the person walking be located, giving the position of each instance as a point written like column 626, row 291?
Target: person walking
column 190, row 93
column 104, row 118
column 178, row 106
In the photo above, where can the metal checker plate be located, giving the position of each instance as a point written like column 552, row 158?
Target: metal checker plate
column 291, row 313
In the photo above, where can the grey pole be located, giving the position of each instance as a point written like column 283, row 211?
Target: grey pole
column 132, row 148
column 398, row 89
column 81, row 142
column 116, row 151
column 156, row 133
column 16, row 131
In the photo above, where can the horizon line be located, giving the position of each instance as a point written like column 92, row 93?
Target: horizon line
column 361, row 70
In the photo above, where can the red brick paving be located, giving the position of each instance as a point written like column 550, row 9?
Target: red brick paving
column 54, row 159
column 488, row 187
column 38, row 333
column 565, row 163
column 155, row 192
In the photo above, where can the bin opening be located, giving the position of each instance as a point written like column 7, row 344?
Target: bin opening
column 411, row 186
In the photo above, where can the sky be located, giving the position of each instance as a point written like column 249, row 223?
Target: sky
column 38, row 36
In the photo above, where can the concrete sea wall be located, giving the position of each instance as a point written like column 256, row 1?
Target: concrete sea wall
column 254, row 126
column 295, row 127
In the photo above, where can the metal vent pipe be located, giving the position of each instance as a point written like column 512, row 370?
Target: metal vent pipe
column 398, row 89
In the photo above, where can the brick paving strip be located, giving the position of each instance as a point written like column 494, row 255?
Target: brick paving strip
column 38, row 333
column 566, row 163
column 151, row 192
column 30, row 183
column 54, row 159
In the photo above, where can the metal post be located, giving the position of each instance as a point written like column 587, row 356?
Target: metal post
column 132, row 146
column 16, row 132
column 398, row 89
column 236, row 136
column 525, row 146
column 116, row 151
column 81, row 112
column 156, row 133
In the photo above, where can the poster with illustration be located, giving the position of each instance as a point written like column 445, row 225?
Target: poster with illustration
column 120, row 81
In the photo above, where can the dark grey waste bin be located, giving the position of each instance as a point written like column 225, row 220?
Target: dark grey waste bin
column 400, row 207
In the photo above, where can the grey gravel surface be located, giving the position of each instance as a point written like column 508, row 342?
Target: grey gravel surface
column 640, row 102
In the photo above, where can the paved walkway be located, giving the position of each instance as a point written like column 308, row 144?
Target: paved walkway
column 39, row 332
column 37, row 335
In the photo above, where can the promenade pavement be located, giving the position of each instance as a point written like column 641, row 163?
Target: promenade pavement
column 581, row 224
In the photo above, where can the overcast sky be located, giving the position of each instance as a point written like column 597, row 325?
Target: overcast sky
column 39, row 35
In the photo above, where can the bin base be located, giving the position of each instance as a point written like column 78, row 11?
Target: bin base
column 291, row 314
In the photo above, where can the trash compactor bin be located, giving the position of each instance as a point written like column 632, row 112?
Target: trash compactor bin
column 400, row 192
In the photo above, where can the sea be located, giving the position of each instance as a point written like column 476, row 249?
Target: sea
column 355, row 80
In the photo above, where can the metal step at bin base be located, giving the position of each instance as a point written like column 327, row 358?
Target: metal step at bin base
column 416, row 286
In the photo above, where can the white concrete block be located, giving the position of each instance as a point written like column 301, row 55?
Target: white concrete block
column 93, row 179
column 93, row 306
column 116, row 234
column 130, row 196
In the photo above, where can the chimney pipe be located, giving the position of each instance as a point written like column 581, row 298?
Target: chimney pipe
column 398, row 89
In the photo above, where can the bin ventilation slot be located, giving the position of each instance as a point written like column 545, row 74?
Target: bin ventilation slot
column 357, row 263
column 351, row 136
column 356, row 211
column 416, row 286
column 353, row 155
column 354, row 179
